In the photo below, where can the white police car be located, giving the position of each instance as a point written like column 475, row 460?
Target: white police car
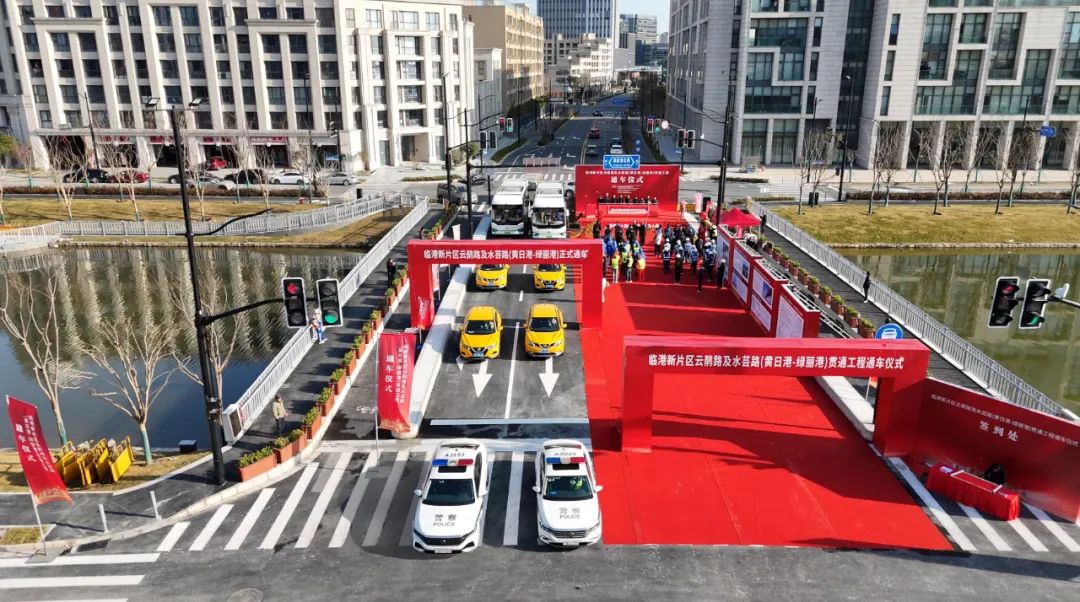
column 567, row 510
column 450, row 515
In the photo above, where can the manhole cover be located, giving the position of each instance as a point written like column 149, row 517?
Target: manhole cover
column 246, row 595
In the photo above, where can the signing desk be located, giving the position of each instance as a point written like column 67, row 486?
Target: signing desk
column 970, row 490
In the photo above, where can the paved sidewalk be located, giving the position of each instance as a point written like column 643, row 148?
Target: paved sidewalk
column 133, row 508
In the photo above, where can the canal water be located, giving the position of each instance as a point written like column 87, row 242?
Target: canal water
column 956, row 288
column 145, row 289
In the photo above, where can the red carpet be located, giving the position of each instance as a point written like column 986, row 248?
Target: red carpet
column 736, row 459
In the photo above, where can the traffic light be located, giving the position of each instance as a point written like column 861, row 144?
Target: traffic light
column 509, row 124
column 483, row 141
column 292, row 293
column 681, row 141
column 1004, row 303
column 658, row 123
column 650, row 125
column 1036, row 296
column 502, row 123
column 690, row 135
column 329, row 301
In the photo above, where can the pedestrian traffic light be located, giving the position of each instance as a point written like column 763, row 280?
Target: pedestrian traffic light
column 509, row 124
column 329, row 301
column 651, row 123
column 690, row 135
column 292, row 294
column 1004, row 303
column 1036, row 295
column 680, row 142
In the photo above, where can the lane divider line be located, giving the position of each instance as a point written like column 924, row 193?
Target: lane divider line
column 513, row 500
column 513, row 365
column 406, row 532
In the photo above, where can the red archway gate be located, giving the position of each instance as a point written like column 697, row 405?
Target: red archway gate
column 900, row 366
column 586, row 252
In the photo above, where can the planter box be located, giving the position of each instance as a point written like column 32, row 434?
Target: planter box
column 350, row 367
column 309, row 431
column 290, row 450
column 826, row 298
column 253, row 470
column 367, row 337
column 814, row 288
column 852, row 322
column 866, row 333
column 324, row 409
column 835, row 307
column 338, row 386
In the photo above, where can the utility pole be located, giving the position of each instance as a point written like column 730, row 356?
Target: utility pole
column 847, row 134
column 310, row 142
column 93, row 136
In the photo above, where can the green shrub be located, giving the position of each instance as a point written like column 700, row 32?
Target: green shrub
column 336, row 376
column 814, row 280
column 253, row 457
column 826, row 289
column 852, row 312
column 325, row 394
column 280, row 442
column 348, row 358
column 866, row 324
column 375, row 315
column 498, row 156
column 366, row 328
column 311, row 416
column 837, row 298
column 295, row 434
column 358, row 340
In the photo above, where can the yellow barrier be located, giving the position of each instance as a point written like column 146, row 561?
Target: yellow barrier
column 119, row 460
column 66, row 464
column 99, row 464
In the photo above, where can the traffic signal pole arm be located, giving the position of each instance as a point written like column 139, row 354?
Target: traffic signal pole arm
column 211, row 318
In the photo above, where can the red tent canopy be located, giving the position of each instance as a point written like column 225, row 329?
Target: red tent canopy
column 737, row 218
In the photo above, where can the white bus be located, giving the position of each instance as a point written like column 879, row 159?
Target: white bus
column 508, row 211
column 549, row 189
column 547, row 216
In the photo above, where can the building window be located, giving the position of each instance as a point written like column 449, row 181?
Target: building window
column 407, row 20
column 166, row 42
column 69, row 94
column 221, row 43
column 243, row 43
column 378, row 70
column 1066, row 100
column 60, row 42
column 228, row 120
column 54, row 10
column 377, row 44
column 274, row 70
column 170, row 69
column 91, row 68
column 268, row 12
column 765, row 6
column 203, row 121
column 886, row 92
column 300, row 69
column 358, row 120
column 408, row 45
column 162, row 16
column 380, row 119
column 411, row 118
column 410, row 70
column 81, row 11
column 65, row 68
column 380, row 95
column 279, row 120
column 813, row 66
column 453, row 22
column 189, row 16
column 328, row 69
column 217, row 16
column 226, row 94
column 324, row 17
column 773, row 99
column 759, row 68
column 248, row 94
column 30, row 42
column 935, row 50
column 294, row 13
column 374, row 18
column 973, row 28
column 350, row 17
column 818, row 23
column 173, row 95
column 88, row 42
column 1005, row 44
column 119, row 67
column 240, row 15
column 436, row 46
column 753, row 139
column 894, row 30
column 275, row 95
column 251, row 119
column 890, row 63
column 271, row 43
column 246, row 70
column 433, row 21
column 298, row 43
column 127, row 118
column 327, row 44
column 411, row 93
column 112, row 15
column 455, row 48
column 785, row 135
column 197, row 69
column 1012, row 100
column 193, row 42
column 331, row 95
column 791, row 65
column 966, row 68
column 1070, row 48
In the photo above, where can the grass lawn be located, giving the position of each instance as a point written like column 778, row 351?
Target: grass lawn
column 13, row 536
column 13, row 481
column 360, row 233
column 23, row 212
column 915, row 224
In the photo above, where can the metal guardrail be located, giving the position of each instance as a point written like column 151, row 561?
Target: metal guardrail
column 984, row 370
column 239, row 415
column 262, row 224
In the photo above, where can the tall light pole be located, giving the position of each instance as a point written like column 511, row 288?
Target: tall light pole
column 211, row 396
column 847, row 134
column 93, row 136
column 310, row 141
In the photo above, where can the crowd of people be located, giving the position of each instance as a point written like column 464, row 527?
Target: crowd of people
column 679, row 246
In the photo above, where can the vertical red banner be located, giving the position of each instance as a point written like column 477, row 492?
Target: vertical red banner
column 45, row 483
column 395, row 379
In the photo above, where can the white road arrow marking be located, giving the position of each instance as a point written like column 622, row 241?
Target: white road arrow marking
column 549, row 376
column 460, row 363
column 481, row 379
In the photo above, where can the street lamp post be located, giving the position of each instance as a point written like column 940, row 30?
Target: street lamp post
column 93, row 135
column 847, row 135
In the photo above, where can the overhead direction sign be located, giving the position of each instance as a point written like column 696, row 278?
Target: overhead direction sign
column 622, row 162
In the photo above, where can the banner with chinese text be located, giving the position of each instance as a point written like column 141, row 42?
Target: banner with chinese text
column 659, row 182
column 45, row 482
column 395, row 353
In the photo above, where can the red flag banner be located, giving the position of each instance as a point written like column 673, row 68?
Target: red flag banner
column 395, row 354
column 37, row 463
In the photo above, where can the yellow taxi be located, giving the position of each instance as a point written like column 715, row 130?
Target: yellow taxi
column 492, row 275
column 480, row 334
column 545, row 331
column 549, row 277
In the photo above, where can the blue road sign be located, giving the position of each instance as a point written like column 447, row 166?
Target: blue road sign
column 619, row 101
column 637, row 142
column 890, row 332
column 1048, row 131
column 622, row 162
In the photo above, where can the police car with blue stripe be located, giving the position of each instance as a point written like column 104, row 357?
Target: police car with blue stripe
column 567, row 509
column 453, row 499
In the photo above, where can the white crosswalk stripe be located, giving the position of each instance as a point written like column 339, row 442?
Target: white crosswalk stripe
column 250, row 518
column 378, row 518
column 291, row 503
column 211, row 528
column 406, row 531
column 173, row 536
column 74, row 576
column 317, row 512
column 1054, row 528
column 983, row 526
column 341, row 532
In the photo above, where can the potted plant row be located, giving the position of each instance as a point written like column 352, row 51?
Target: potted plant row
column 813, row 284
column 852, row 317
column 348, row 362
column 312, row 422
column 837, row 305
column 257, row 462
column 287, row 447
column 337, row 380
column 825, row 294
column 866, row 329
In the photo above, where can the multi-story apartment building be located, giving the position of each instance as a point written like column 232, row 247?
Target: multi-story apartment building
column 583, row 61
column 789, row 66
column 644, row 26
column 573, row 19
column 489, row 89
column 369, row 79
column 520, row 35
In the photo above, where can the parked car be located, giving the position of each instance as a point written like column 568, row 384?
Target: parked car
column 597, row 113
column 594, row 132
column 591, row 150
column 246, row 176
column 128, row 175
column 290, row 176
column 86, row 174
column 340, row 178
column 210, row 183
column 215, row 163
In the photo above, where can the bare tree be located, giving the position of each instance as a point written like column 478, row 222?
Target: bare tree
column 246, row 159
column 29, row 314
column 302, row 158
column 265, row 162
column 140, row 377
column 1022, row 156
column 819, row 146
column 63, row 157
column 987, row 148
column 887, row 153
column 24, row 154
column 954, row 145
column 215, row 298
column 1074, row 180
column 196, row 179
column 115, row 156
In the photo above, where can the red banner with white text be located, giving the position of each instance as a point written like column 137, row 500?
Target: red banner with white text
column 396, row 358
column 626, row 193
column 1039, row 453
column 45, row 482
